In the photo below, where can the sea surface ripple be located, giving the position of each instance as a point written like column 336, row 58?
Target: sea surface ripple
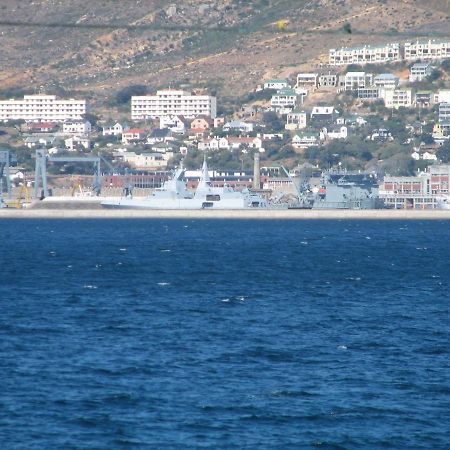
column 167, row 334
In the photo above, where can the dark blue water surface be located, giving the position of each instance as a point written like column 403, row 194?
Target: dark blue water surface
column 166, row 334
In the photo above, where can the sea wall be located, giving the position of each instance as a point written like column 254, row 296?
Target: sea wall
column 261, row 214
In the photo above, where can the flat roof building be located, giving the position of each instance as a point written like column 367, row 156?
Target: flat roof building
column 168, row 102
column 364, row 55
column 427, row 49
column 42, row 108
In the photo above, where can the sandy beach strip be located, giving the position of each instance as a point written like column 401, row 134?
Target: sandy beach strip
column 261, row 214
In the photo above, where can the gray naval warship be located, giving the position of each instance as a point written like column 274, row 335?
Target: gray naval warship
column 339, row 190
column 345, row 190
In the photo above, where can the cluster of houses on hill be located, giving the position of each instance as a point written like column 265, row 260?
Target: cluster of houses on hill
column 174, row 120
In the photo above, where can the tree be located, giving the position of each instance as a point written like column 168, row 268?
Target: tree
column 125, row 94
column 443, row 152
column 272, row 121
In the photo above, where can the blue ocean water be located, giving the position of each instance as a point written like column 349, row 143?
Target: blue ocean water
column 166, row 334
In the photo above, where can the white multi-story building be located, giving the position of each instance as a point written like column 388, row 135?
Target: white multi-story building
column 419, row 71
column 37, row 108
column 364, row 55
column 284, row 98
column 395, row 98
column 296, row 120
column 307, row 80
column 386, row 80
column 276, row 84
column 353, row 81
column 176, row 102
column 427, row 49
column 444, row 112
column 442, row 96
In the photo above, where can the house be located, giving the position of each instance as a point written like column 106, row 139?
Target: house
column 419, row 71
column 323, row 113
column 352, row 81
column 284, row 99
column 427, row 49
column 176, row 124
column 296, row 120
column 201, row 124
column 369, row 93
column 305, row 139
column 133, row 135
column 396, row 98
column 328, row 80
column 339, row 132
column 42, row 127
column 219, row 121
column 148, row 161
column 424, row 98
column 364, row 55
column 307, row 80
column 276, row 84
column 444, row 112
column 39, row 141
column 442, row 96
column 250, row 142
column 77, row 127
column 238, row 125
column 386, row 80
column 114, row 129
column 380, row 135
column 160, row 135
column 352, row 120
column 77, row 143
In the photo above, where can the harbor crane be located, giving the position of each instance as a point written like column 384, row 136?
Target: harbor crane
column 42, row 157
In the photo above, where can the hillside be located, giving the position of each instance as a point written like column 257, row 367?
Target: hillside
column 99, row 46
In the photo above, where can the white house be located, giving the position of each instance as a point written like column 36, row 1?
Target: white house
column 323, row 113
column 153, row 161
column 444, row 112
column 284, row 98
column 238, row 125
column 419, row 71
column 331, row 133
column 177, row 124
column 396, row 98
column 353, row 81
column 77, row 127
column 442, row 96
column 114, row 129
column 307, row 80
column 276, row 84
column 133, row 135
column 296, row 120
column 305, row 139
column 77, row 143
column 386, row 80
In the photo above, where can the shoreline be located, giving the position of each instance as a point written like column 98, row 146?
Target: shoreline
column 258, row 214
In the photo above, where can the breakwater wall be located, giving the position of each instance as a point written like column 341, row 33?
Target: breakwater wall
column 261, row 214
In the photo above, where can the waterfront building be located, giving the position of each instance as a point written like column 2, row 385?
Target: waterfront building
column 42, row 108
column 172, row 102
column 364, row 55
column 427, row 49
column 418, row 192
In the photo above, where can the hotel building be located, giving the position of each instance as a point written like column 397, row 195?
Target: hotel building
column 45, row 108
column 172, row 102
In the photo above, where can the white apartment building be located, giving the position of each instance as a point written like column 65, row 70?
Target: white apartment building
column 427, row 49
column 386, row 80
column 276, row 84
column 419, row 71
column 284, row 98
column 364, row 55
column 37, row 108
column 353, row 81
column 307, row 80
column 172, row 102
column 369, row 93
column 442, row 96
column 396, row 98
column 444, row 112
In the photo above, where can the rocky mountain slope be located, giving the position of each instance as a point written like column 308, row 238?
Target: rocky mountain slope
column 99, row 46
